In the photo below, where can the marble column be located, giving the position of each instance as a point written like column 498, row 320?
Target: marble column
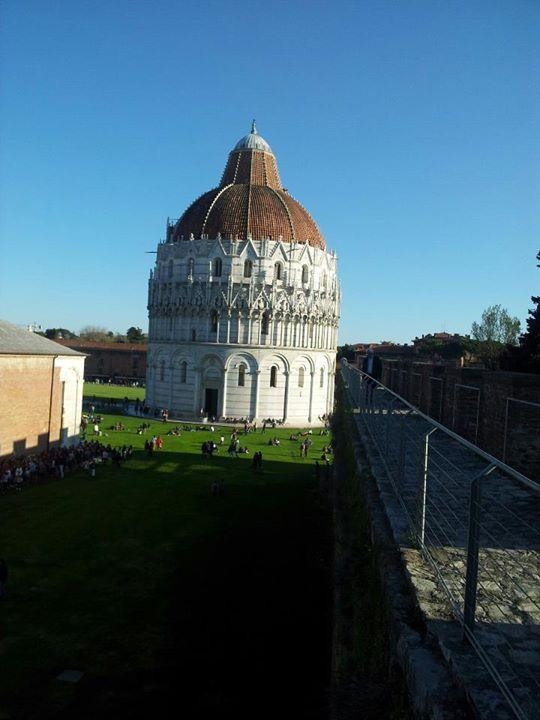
column 224, row 394
column 171, row 385
column 256, row 376
column 197, row 392
column 312, row 374
column 286, row 396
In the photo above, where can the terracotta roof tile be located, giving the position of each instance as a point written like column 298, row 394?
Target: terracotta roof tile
column 249, row 201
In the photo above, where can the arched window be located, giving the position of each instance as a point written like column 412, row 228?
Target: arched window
column 183, row 372
column 273, row 376
column 241, row 375
column 171, row 268
column 218, row 266
column 324, row 281
column 264, row 324
column 301, row 377
column 248, row 268
column 278, row 271
column 162, row 371
column 214, row 318
column 193, row 334
column 191, row 267
column 321, row 383
column 305, row 273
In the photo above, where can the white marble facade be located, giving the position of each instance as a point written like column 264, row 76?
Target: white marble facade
column 242, row 329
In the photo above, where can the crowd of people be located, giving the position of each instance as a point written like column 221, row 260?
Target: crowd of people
column 123, row 382
column 58, row 461
column 153, row 443
column 15, row 472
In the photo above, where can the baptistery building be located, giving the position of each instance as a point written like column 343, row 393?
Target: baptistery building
column 243, row 302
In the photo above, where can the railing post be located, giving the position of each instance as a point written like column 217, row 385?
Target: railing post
column 402, row 449
column 423, row 495
column 471, row 579
column 389, row 415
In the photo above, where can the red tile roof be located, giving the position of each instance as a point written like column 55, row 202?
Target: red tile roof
column 249, row 201
column 93, row 345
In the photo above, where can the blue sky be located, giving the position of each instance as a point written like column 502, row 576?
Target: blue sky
column 409, row 130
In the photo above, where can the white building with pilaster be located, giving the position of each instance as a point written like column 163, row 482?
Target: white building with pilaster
column 243, row 303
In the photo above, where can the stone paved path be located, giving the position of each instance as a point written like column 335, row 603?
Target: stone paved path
column 508, row 601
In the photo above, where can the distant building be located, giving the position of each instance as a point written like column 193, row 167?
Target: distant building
column 440, row 337
column 243, row 302
column 385, row 348
column 41, row 389
column 111, row 360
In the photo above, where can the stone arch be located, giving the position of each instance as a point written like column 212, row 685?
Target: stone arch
column 275, row 358
column 240, row 399
column 306, row 360
column 211, row 360
column 239, row 356
column 301, row 393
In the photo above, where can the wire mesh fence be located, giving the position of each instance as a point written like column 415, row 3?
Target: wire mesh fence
column 521, row 446
column 477, row 522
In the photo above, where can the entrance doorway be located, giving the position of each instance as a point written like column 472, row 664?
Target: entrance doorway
column 211, row 402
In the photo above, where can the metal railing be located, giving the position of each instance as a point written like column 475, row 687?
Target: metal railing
column 476, row 521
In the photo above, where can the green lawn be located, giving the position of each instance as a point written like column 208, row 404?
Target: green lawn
column 112, row 391
column 162, row 593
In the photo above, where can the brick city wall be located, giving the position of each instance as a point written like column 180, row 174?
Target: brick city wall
column 111, row 360
column 31, row 397
column 475, row 403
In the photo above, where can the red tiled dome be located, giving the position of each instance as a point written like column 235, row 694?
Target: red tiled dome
column 250, row 201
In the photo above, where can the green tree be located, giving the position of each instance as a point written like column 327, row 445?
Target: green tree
column 530, row 340
column 96, row 333
column 527, row 357
column 135, row 335
column 495, row 331
column 347, row 352
column 59, row 334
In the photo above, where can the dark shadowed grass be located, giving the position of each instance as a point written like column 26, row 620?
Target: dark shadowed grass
column 163, row 594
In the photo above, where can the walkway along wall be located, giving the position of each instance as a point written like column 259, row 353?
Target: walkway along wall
column 466, row 526
column 498, row 411
column 385, row 662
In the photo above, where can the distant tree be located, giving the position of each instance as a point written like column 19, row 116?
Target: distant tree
column 530, row 340
column 59, row 334
column 96, row 333
column 496, row 326
column 495, row 331
column 347, row 352
column 526, row 357
column 135, row 335
column 457, row 347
